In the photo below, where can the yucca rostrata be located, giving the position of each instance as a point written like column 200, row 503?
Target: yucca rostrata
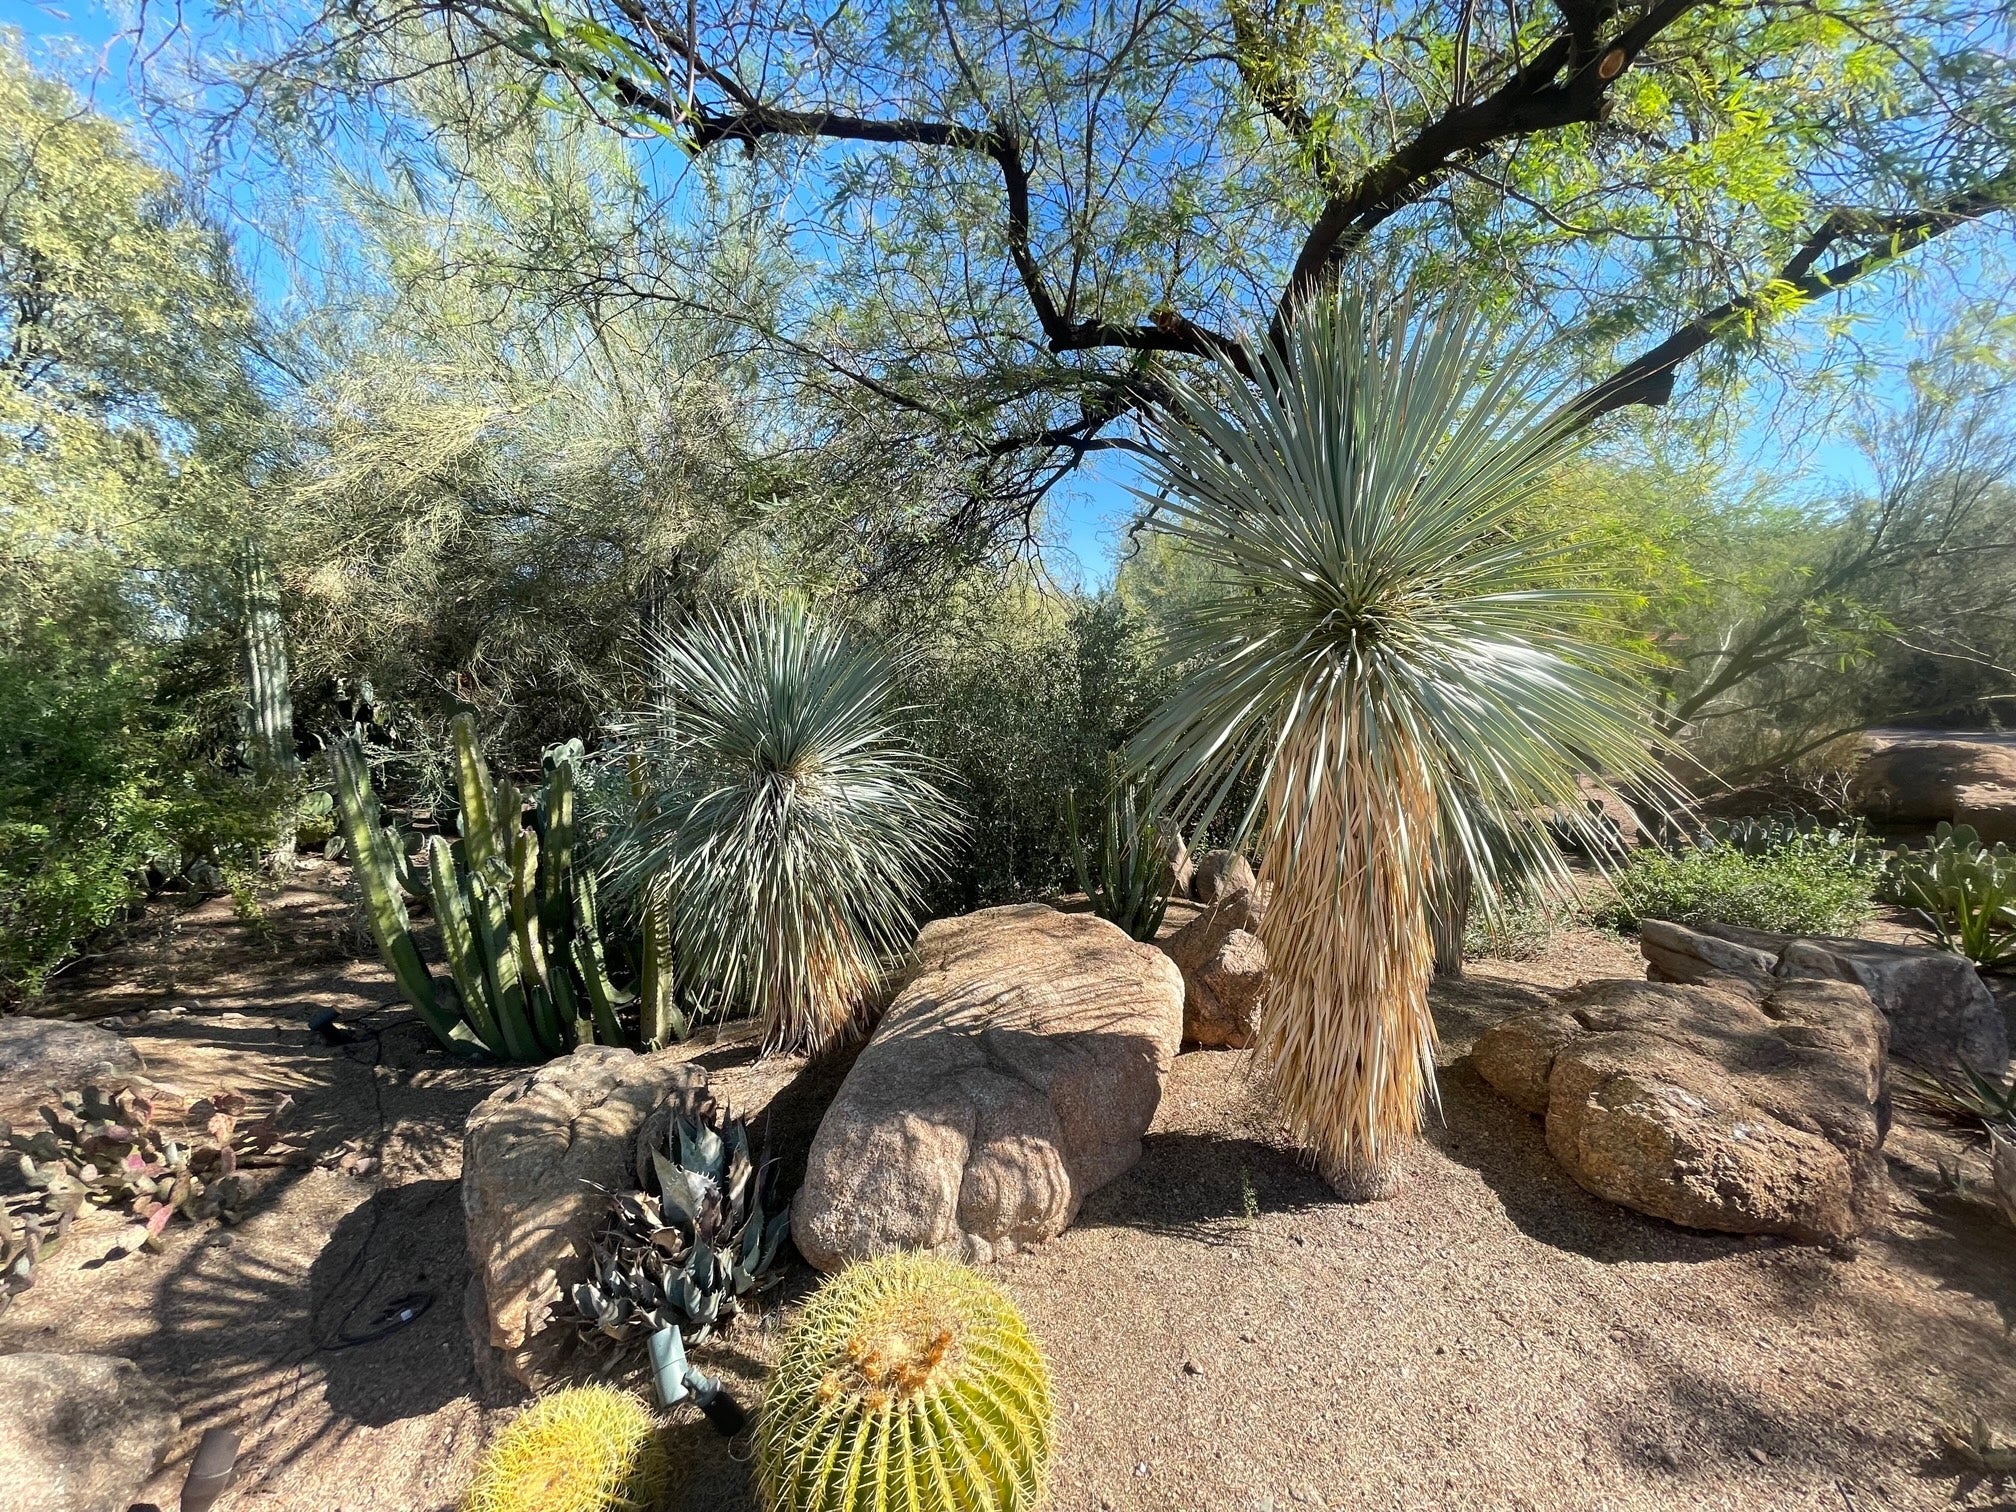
column 586, row 1449
column 908, row 1384
column 786, row 811
column 1389, row 648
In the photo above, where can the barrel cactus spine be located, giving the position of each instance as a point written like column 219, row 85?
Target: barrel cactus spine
column 909, row 1384
column 587, row 1449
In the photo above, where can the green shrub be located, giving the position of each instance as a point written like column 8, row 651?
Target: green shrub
column 1030, row 693
column 1812, row 884
column 109, row 779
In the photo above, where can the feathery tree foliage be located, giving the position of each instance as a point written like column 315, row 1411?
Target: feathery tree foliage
column 789, row 817
column 128, row 428
column 504, row 465
column 1030, row 215
column 1396, row 658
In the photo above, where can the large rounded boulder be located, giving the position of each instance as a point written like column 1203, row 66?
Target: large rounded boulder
column 1014, row 1074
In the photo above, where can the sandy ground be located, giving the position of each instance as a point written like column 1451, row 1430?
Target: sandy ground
column 1224, row 1333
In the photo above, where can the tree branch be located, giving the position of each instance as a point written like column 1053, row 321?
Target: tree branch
column 1563, row 84
column 1882, row 239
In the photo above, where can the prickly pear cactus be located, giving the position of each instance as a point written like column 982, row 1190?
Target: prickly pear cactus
column 587, row 1449
column 908, row 1384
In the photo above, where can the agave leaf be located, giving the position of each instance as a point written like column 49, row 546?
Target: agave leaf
column 700, row 1148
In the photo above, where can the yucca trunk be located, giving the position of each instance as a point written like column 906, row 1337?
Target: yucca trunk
column 819, row 995
column 1345, row 1029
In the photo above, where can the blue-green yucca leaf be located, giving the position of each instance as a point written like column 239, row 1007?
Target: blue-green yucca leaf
column 1394, row 652
column 784, row 807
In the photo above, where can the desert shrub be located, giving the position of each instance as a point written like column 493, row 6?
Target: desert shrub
column 1029, row 694
column 1520, row 928
column 1122, row 865
column 111, row 781
column 1814, row 883
column 786, row 810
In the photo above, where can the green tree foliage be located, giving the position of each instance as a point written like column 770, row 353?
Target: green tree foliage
column 506, row 464
column 127, row 424
column 1030, row 212
column 1030, row 692
column 1798, row 622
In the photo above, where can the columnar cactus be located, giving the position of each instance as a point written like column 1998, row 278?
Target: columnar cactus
column 518, row 921
column 588, row 1449
column 908, row 1384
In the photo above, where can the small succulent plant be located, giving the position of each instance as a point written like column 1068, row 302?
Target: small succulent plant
column 133, row 1147
column 694, row 1240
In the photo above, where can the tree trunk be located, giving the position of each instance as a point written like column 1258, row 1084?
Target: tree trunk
column 1449, row 916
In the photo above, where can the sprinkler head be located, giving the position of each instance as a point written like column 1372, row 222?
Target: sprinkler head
column 676, row 1380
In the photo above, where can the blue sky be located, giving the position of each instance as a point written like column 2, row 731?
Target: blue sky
column 1088, row 513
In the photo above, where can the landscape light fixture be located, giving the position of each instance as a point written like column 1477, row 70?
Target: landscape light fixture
column 677, row 1379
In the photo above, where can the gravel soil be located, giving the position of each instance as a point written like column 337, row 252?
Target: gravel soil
column 1225, row 1334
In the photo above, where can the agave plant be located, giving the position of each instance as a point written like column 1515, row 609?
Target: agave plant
column 782, row 808
column 691, row 1243
column 1126, row 874
column 1395, row 656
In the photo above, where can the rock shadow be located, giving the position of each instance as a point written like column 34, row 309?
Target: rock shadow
column 1190, row 1186
column 384, row 1309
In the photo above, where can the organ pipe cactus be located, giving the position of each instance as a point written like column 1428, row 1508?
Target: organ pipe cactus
column 374, row 861
column 908, row 1383
column 519, row 925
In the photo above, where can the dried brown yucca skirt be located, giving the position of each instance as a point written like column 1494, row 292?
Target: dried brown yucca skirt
column 1345, row 1030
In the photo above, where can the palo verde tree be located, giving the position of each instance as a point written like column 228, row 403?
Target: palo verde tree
column 128, row 429
column 1027, row 217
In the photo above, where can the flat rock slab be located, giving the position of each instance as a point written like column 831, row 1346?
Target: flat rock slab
column 42, row 1057
column 1720, row 1105
column 1941, row 1014
column 78, row 1433
column 1015, row 1073
column 528, row 1153
column 1921, row 780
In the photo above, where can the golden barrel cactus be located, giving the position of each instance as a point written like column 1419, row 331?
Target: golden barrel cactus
column 586, row 1449
column 909, row 1384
